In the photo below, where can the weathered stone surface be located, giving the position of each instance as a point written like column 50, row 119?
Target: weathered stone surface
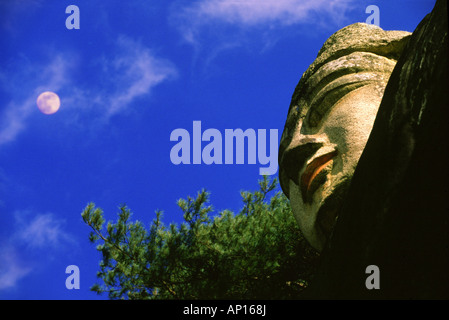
column 329, row 121
column 396, row 212
column 358, row 39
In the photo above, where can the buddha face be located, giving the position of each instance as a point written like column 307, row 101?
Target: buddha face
column 324, row 154
column 329, row 121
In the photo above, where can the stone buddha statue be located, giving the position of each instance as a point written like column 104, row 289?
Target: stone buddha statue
column 329, row 121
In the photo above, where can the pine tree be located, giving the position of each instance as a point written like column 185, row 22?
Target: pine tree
column 258, row 253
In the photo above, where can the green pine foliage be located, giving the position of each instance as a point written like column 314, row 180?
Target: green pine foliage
column 258, row 253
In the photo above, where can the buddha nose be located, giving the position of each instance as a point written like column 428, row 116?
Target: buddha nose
column 295, row 156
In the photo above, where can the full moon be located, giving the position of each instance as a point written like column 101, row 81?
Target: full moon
column 48, row 102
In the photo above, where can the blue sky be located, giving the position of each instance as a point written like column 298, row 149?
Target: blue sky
column 131, row 74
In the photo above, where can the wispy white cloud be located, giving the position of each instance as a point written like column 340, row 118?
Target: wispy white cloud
column 129, row 72
column 40, row 231
column 135, row 71
column 24, row 84
column 12, row 268
column 196, row 17
column 31, row 236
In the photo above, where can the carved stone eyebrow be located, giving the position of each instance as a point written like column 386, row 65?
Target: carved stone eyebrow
column 337, row 78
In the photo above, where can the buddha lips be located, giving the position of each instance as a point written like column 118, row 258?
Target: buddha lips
column 212, row 153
